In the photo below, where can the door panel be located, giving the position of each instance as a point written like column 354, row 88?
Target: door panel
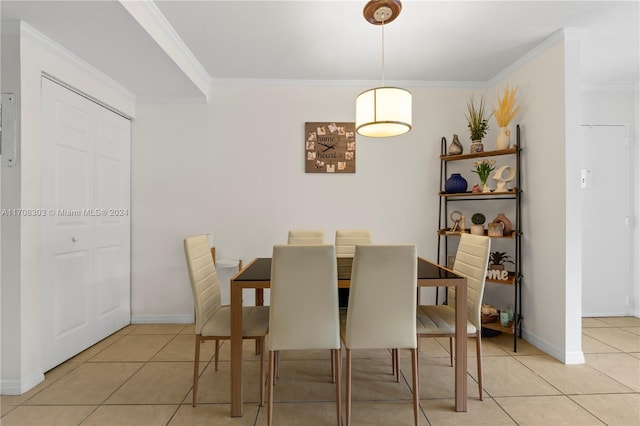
column 70, row 293
column 112, row 230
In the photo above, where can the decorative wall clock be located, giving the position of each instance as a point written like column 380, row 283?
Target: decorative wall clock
column 330, row 147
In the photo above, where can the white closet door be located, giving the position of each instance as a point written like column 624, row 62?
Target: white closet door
column 606, row 243
column 85, row 171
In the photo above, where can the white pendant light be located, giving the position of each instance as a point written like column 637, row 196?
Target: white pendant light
column 383, row 111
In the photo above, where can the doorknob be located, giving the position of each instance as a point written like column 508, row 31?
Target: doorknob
column 74, row 239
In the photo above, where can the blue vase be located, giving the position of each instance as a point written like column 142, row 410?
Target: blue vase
column 456, row 183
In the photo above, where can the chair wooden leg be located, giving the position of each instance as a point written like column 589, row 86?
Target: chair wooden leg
column 337, row 360
column 418, row 350
column 196, row 370
column 216, row 356
column 396, row 361
column 262, row 349
column 270, row 390
column 451, row 350
column 347, row 374
column 479, row 357
column 277, row 367
column 333, row 367
column 393, row 363
column 416, row 396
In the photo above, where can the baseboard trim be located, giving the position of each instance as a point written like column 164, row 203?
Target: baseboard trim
column 576, row 357
column 162, row 319
column 18, row 387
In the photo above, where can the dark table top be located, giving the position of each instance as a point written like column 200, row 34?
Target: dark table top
column 260, row 270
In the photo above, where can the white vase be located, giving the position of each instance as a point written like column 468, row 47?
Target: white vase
column 504, row 138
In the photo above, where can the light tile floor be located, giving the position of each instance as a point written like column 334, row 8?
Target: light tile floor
column 142, row 375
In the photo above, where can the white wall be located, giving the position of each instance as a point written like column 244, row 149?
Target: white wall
column 242, row 158
column 10, row 296
column 541, row 92
column 22, row 369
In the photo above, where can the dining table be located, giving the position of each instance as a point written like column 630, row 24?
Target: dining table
column 257, row 275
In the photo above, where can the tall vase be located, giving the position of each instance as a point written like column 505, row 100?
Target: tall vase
column 504, row 138
column 455, row 184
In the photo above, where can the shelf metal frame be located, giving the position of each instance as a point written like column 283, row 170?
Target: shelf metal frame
column 514, row 194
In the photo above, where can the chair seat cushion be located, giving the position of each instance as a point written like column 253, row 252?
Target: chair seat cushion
column 255, row 322
column 438, row 319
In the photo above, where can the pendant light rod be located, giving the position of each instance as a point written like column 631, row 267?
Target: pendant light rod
column 383, row 54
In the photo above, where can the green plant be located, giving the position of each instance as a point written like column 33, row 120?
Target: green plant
column 483, row 169
column 500, row 258
column 478, row 219
column 477, row 120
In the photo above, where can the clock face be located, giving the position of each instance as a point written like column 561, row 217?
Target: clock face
column 330, row 147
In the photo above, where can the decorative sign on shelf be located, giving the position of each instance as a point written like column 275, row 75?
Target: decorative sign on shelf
column 330, row 147
column 495, row 274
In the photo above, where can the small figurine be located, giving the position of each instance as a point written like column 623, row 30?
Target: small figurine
column 476, row 188
column 502, row 181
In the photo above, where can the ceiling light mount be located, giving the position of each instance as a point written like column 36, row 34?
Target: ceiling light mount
column 380, row 12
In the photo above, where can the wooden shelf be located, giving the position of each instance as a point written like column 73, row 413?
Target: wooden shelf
column 512, row 192
column 496, row 326
column 509, row 151
column 446, row 232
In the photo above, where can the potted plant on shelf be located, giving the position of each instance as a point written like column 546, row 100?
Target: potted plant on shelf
column 497, row 259
column 504, row 113
column 478, row 123
column 478, row 220
column 483, row 168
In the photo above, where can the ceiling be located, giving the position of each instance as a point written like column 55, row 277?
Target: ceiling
column 174, row 49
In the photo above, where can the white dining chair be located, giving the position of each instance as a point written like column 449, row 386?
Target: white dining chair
column 382, row 307
column 347, row 239
column 305, row 237
column 304, row 307
column 213, row 320
column 471, row 261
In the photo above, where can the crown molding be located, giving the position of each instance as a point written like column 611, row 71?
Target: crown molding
column 151, row 19
column 546, row 44
column 28, row 31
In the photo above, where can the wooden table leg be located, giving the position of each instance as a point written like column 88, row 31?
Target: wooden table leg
column 236, row 350
column 461, row 347
column 259, row 302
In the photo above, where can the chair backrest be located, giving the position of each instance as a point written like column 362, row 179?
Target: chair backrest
column 205, row 284
column 347, row 239
column 382, row 297
column 304, row 236
column 304, row 298
column 472, row 258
